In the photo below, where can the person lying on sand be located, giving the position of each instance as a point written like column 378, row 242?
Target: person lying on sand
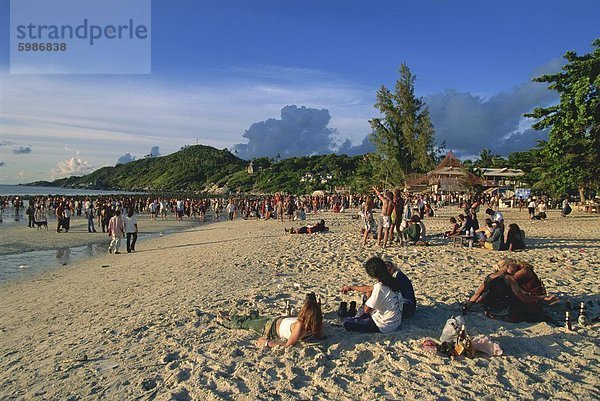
column 280, row 331
column 382, row 311
column 513, row 293
column 310, row 229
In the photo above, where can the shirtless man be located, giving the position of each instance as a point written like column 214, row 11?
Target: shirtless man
column 386, row 211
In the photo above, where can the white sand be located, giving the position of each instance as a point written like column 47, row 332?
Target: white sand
column 146, row 320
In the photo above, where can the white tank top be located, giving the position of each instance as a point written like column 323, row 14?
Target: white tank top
column 285, row 327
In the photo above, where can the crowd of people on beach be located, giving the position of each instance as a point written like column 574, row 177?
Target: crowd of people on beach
column 513, row 293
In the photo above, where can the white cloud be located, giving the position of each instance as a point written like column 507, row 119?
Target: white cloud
column 106, row 117
column 73, row 166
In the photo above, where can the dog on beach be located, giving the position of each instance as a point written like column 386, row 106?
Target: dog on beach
column 39, row 224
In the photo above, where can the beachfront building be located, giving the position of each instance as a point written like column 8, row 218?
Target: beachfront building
column 504, row 177
column 505, row 182
column 449, row 176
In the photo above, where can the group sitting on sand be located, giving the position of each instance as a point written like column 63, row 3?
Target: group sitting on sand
column 389, row 300
column 513, row 293
column 489, row 236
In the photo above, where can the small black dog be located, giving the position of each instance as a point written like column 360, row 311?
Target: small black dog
column 39, row 224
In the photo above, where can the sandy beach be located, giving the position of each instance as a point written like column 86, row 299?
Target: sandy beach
column 142, row 325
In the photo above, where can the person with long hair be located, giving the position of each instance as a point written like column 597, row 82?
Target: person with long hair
column 513, row 293
column 514, row 238
column 382, row 312
column 280, row 331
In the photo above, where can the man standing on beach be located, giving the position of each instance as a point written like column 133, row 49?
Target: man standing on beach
column 89, row 212
column 116, row 230
column 30, row 213
column 131, row 228
column 230, row 209
column 60, row 210
column 387, row 205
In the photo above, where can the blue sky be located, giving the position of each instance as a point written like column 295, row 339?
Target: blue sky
column 219, row 69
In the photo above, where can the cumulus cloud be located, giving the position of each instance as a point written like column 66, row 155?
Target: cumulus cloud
column 353, row 150
column 21, row 150
column 301, row 131
column 126, row 158
column 73, row 166
column 17, row 149
column 154, row 152
column 469, row 123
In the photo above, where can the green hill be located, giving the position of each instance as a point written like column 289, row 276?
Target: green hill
column 189, row 169
column 198, row 167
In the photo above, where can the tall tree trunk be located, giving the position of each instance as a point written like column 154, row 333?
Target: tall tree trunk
column 582, row 193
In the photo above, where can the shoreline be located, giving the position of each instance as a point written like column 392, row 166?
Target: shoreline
column 52, row 249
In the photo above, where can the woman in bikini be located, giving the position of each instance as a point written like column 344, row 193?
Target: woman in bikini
column 281, row 331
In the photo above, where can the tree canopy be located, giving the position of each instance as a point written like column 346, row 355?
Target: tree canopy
column 403, row 136
column 572, row 152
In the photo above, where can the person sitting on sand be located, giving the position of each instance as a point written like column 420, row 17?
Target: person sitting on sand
column 513, row 293
column 310, row 229
column 566, row 208
column 496, row 240
column 454, row 228
column 462, row 223
column 514, row 238
column 382, row 312
column 406, row 289
column 486, row 231
column 280, row 331
column 413, row 232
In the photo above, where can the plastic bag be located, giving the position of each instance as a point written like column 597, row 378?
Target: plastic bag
column 452, row 328
column 484, row 344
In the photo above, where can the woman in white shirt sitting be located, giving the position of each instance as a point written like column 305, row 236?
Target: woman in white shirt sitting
column 382, row 312
column 280, row 331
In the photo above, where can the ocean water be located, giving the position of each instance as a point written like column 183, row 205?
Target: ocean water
column 8, row 215
column 23, row 264
column 23, row 190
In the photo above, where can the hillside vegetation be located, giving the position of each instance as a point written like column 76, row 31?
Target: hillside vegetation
column 202, row 168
